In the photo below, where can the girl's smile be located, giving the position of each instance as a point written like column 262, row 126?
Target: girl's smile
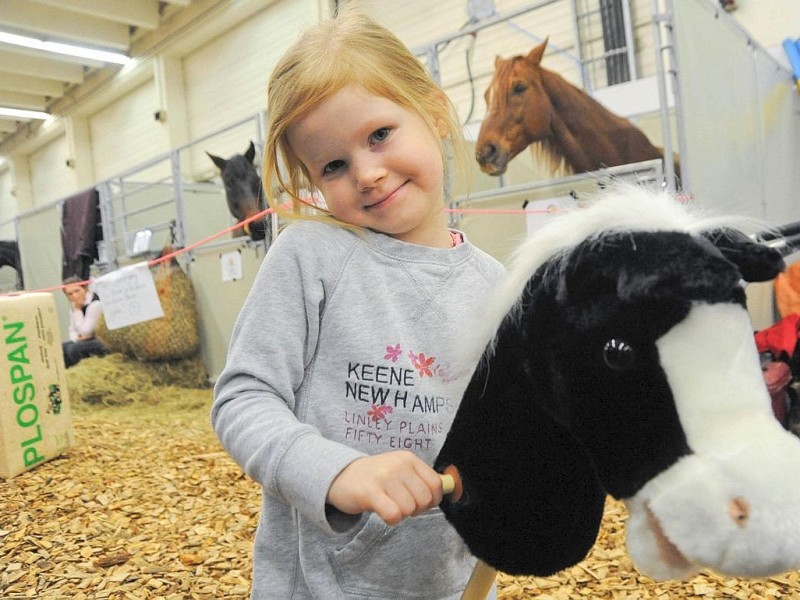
column 376, row 164
column 386, row 201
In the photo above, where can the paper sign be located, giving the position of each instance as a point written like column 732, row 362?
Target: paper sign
column 129, row 296
column 231, row 264
column 141, row 242
column 541, row 211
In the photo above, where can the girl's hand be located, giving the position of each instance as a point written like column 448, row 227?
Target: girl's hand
column 394, row 485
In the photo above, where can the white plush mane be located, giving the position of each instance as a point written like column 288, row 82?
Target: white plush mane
column 621, row 207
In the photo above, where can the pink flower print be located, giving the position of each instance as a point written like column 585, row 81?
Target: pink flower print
column 379, row 412
column 392, row 353
column 423, row 365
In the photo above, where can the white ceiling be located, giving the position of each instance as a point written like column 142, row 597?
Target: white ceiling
column 37, row 80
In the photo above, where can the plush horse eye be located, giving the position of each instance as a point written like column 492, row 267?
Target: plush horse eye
column 618, row 355
column 519, row 88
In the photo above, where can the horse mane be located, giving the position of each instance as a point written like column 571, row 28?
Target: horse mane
column 586, row 135
column 562, row 92
column 546, row 152
column 595, row 123
column 621, row 207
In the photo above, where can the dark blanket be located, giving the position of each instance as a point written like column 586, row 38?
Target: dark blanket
column 80, row 232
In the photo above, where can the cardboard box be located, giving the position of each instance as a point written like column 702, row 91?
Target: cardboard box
column 35, row 419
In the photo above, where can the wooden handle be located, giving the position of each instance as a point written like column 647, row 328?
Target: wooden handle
column 448, row 484
column 451, row 483
column 480, row 582
column 483, row 576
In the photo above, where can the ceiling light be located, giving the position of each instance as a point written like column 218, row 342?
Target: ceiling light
column 66, row 49
column 16, row 113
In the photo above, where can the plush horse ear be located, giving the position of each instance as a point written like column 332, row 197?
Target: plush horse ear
column 251, row 152
column 535, row 56
column 219, row 161
column 756, row 262
column 529, row 501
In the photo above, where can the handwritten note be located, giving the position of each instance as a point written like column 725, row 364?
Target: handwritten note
column 129, row 296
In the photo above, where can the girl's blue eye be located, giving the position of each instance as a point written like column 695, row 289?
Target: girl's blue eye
column 380, row 134
column 332, row 166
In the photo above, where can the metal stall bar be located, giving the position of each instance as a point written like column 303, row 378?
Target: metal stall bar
column 107, row 254
column 113, row 221
column 474, row 28
column 180, row 204
column 646, row 172
column 576, row 35
column 660, row 49
column 629, row 46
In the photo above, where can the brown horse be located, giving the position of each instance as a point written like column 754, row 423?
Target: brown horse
column 526, row 103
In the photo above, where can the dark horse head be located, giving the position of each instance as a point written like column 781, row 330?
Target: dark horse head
column 243, row 191
column 625, row 364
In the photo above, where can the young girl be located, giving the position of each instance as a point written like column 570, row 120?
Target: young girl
column 341, row 379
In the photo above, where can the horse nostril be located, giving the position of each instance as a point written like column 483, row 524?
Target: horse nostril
column 739, row 511
column 258, row 230
column 488, row 151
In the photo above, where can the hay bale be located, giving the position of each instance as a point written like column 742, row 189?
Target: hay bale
column 117, row 379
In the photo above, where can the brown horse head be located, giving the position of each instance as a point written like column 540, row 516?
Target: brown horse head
column 527, row 103
column 243, row 190
column 510, row 125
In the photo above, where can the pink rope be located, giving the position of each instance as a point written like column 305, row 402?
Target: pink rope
column 210, row 238
column 263, row 213
column 160, row 259
column 504, row 211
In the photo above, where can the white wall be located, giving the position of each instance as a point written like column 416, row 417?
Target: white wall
column 741, row 125
column 125, row 132
column 769, row 21
column 226, row 78
column 8, row 202
column 51, row 178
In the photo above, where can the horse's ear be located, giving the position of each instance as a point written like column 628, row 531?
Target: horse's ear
column 497, row 61
column 251, row 152
column 220, row 162
column 535, row 56
column 756, row 262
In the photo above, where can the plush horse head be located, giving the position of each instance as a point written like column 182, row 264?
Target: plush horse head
column 526, row 104
column 243, row 191
column 625, row 363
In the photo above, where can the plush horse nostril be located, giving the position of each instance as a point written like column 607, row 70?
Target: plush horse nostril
column 739, row 511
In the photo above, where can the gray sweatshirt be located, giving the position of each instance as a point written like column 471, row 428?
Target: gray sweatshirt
column 346, row 346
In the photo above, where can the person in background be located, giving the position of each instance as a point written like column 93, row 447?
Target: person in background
column 85, row 310
column 344, row 371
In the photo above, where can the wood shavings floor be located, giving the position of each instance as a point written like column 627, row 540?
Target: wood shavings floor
column 146, row 505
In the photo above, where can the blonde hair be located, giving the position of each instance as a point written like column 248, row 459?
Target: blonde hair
column 350, row 48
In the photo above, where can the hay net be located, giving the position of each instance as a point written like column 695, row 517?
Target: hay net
column 173, row 336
